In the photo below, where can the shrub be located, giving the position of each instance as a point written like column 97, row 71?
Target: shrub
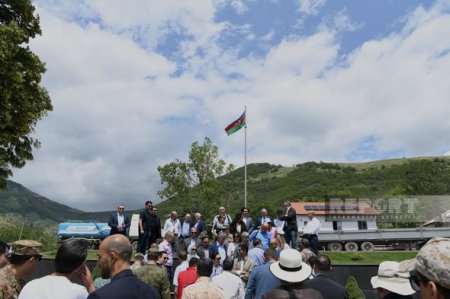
column 354, row 292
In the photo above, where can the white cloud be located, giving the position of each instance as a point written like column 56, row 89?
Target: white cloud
column 120, row 111
column 311, row 7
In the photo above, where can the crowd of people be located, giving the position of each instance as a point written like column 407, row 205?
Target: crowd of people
column 229, row 257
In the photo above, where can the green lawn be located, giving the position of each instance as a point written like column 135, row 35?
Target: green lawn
column 337, row 258
column 368, row 258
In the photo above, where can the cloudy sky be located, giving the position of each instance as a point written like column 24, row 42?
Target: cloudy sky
column 134, row 83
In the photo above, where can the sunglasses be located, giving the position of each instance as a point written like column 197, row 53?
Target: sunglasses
column 38, row 257
column 415, row 278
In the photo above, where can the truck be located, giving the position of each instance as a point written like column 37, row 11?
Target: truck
column 395, row 238
column 368, row 240
column 94, row 232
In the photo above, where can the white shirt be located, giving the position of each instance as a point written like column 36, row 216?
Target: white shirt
column 120, row 219
column 173, row 226
column 181, row 267
column 278, row 223
column 231, row 284
column 51, row 286
column 185, row 230
column 312, row 227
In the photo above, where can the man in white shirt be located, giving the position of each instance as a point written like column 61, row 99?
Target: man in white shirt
column 69, row 261
column 186, row 226
column 229, row 282
column 311, row 232
column 173, row 225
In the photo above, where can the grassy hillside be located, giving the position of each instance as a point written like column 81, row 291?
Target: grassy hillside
column 268, row 186
column 19, row 205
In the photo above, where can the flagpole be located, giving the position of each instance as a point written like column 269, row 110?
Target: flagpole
column 245, row 161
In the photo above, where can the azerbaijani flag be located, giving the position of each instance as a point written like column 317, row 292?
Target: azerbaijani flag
column 236, row 125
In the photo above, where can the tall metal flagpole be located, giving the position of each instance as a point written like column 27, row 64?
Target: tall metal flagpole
column 245, row 160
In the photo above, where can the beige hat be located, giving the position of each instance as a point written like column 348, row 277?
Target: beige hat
column 433, row 261
column 26, row 247
column 390, row 278
column 290, row 267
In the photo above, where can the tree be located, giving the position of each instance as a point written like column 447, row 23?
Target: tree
column 22, row 100
column 193, row 185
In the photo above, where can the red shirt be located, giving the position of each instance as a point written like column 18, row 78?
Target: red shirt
column 185, row 278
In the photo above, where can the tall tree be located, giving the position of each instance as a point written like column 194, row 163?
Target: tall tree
column 22, row 100
column 193, row 184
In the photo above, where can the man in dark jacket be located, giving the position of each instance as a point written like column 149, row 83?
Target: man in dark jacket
column 154, row 226
column 290, row 225
column 114, row 262
column 119, row 222
column 323, row 283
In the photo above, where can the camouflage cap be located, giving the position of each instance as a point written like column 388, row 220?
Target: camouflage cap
column 153, row 252
column 26, row 247
column 433, row 261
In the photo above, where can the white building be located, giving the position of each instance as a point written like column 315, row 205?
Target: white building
column 336, row 216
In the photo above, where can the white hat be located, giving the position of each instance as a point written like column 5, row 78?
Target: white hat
column 290, row 267
column 390, row 278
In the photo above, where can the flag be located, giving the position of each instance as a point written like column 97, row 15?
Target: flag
column 236, row 125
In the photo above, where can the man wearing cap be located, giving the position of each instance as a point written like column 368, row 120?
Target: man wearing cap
column 153, row 275
column 431, row 273
column 208, row 232
column 292, row 272
column 322, row 281
column 391, row 283
column 24, row 260
column 69, row 263
column 119, row 222
column 114, row 257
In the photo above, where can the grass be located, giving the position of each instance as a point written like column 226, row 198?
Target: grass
column 368, row 258
column 337, row 258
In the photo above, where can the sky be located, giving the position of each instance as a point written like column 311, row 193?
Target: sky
column 135, row 83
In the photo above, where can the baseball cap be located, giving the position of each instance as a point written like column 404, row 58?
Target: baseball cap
column 433, row 261
column 26, row 247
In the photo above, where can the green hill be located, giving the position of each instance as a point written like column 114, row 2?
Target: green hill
column 268, row 186
column 19, row 205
